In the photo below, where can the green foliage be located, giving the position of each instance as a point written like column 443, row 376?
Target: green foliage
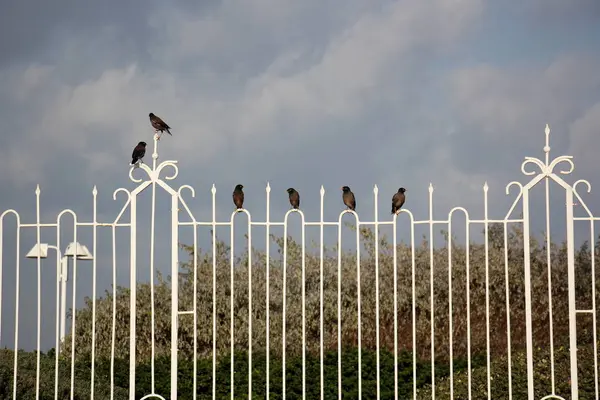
column 27, row 374
column 349, row 330
column 542, row 377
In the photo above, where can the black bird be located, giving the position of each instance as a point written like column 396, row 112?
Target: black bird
column 238, row 197
column 294, row 198
column 138, row 152
column 398, row 200
column 348, row 198
column 159, row 125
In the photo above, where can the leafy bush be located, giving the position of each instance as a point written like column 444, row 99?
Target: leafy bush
column 349, row 330
column 542, row 377
column 27, row 374
column 82, row 382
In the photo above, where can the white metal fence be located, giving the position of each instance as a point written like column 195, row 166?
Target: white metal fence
column 497, row 319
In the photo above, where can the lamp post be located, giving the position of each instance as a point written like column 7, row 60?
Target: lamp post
column 74, row 249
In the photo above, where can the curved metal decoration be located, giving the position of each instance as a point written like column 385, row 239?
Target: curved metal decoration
column 154, row 172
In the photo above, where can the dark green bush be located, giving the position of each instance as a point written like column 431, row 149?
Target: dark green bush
column 542, row 377
column 27, row 375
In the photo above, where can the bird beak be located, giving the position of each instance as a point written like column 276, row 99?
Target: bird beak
column 341, row 188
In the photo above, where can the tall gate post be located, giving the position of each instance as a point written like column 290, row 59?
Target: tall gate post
column 572, row 300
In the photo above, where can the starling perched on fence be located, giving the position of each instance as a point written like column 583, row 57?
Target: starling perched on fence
column 294, row 198
column 138, row 152
column 159, row 125
column 348, row 198
column 238, row 197
column 398, row 200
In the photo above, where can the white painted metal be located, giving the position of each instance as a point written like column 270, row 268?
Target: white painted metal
column 157, row 180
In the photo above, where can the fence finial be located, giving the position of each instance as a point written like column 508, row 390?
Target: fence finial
column 37, row 190
column 547, row 146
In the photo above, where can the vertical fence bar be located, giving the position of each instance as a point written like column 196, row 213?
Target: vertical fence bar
column 303, row 306
column 507, row 294
column 249, row 306
column 152, row 318
column 359, row 310
column 195, row 305
column 450, row 327
column 527, row 266
column 17, row 293
column 213, row 191
column 174, row 291
column 431, row 290
column 395, row 272
column 2, row 266
column 549, row 269
column 268, row 279
column 113, row 328
column 231, row 304
column 133, row 293
column 594, row 316
column 487, row 289
column 39, row 295
column 339, row 307
column 377, row 328
column 572, row 302
column 59, row 261
column 94, row 283
column 74, row 309
column 414, row 311
column 468, row 290
column 321, row 225
column 284, row 310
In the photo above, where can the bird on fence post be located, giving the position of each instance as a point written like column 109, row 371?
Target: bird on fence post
column 398, row 200
column 138, row 153
column 348, row 198
column 238, row 197
column 159, row 125
column 294, row 198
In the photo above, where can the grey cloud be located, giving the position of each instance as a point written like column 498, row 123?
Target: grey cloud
column 509, row 107
column 35, row 29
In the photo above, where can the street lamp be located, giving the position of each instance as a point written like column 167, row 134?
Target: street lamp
column 74, row 249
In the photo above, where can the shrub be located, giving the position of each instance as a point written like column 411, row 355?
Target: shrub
column 349, row 330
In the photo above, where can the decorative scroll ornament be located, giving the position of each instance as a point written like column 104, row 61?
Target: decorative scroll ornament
column 547, row 168
column 154, row 172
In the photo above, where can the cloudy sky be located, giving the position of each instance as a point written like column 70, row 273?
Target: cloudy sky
column 303, row 94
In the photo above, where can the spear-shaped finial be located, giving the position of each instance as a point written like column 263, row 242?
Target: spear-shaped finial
column 547, row 146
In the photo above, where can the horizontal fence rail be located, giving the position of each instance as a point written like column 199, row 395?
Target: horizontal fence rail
column 493, row 314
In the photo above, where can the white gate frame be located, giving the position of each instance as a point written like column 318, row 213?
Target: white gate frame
column 545, row 171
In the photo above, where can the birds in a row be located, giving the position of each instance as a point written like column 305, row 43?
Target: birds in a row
column 159, row 125
column 347, row 196
column 238, row 194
